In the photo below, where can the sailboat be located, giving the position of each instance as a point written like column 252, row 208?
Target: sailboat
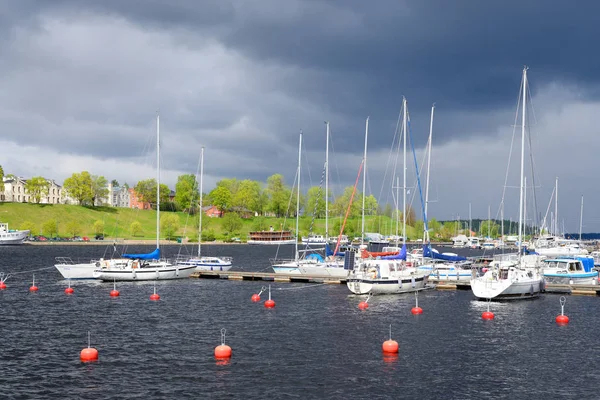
column 143, row 267
column 391, row 274
column 512, row 276
column 205, row 263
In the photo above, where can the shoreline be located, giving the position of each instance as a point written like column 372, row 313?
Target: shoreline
column 168, row 242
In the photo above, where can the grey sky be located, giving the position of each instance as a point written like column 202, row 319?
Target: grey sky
column 81, row 82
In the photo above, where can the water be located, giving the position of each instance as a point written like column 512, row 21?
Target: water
column 314, row 344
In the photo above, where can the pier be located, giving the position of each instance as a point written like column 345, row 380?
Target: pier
column 580, row 290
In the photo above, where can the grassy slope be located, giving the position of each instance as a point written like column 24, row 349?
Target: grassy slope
column 118, row 220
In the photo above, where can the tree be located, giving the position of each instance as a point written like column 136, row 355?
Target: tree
column 232, row 222
column 387, row 211
column 169, row 225
column 114, row 183
column 99, row 188
column 247, row 196
column 410, row 215
column 220, row 198
column 146, row 191
column 279, row 195
column 79, row 187
column 135, row 228
column 99, row 227
column 370, row 205
column 260, row 224
column 37, row 187
column 73, row 228
column 231, row 184
column 315, row 204
column 341, row 203
column 186, row 192
column 28, row 226
column 50, row 228
column 262, row 203
column 493, row 230
column 1, row 179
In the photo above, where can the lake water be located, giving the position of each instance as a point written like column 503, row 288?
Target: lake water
column 314, row 344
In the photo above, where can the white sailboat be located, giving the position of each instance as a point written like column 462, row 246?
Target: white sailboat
column 143, row 267
column 8, row 236
column 205, row 263
column 392, row 275
column 512, row 276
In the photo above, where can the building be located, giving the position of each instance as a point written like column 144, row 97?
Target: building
column 212, row 211
column 14, row 190
column 117, row 196
column 136, row 202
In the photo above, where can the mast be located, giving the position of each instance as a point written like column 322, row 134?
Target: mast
column 201, row 178
column 525, row 208
column 581, row 218
column 404, row 120
column 425, row 223
column 522, row 159
column 556, row 209
column 502, row 222
column 489, row 222
column 362, row 229
column 397, row 198
column 470, row 226
column 327, row 183
column 298, row 193
column 157, row 181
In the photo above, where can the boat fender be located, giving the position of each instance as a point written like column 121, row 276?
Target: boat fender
column 409, row 264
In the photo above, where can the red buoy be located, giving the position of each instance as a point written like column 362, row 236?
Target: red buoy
column 114, row 293
column 33, row 288
column 88, row 354
column 269, row 303
column 255, row 298
column 390, row 346
column 154, row 296
column 2, row 285
column 562, row 319
column 416, row 310
column 363, row 305
column 222, row 351
column 487, row 315
column 69, row 290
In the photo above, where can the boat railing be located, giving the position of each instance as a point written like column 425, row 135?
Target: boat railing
column 64, row 260
column 275, row 261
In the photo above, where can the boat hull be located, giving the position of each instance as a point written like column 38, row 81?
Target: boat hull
column 386, row 286
column 587, row 278
column 144, row 274
column 507, row 289
column 267, row 242
column 333, row 271
column 77, row 271
column 13, row 238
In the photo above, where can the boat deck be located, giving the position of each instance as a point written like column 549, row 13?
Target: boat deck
column 589, row 290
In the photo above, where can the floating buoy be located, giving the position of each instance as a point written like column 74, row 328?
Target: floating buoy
column 488, row 315
column 222, row 351
column 562, row 319
column 154, row 296
column 363, row 305
column 114, row 292
column 88, row 354
column 390, row 346
column 69, row 290
column 2, row 285
column 416, row 310
column 33, row 288
column 256, row 296
column 269, row 303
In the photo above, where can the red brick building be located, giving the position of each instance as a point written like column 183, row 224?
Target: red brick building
column 135, row 202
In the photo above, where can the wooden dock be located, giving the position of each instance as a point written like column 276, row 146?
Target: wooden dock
column 581, row 290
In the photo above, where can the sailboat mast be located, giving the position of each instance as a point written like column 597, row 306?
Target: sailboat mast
column 157, row 181
column 425, row 223
column 556, row 208
column 397, row 200
column 525, row 208
column 581, row 218
column 522, row 159
column 200, row 219
column 404, row 119
column 327, row 183
column 298, row 193
column 364, row 185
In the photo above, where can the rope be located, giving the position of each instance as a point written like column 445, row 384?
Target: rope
column 300, row 287
column 4, row 277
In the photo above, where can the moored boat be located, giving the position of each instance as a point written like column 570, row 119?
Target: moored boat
column 570, row 271
column 8, row 236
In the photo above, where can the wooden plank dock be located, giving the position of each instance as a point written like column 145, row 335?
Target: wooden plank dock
column 581, row 290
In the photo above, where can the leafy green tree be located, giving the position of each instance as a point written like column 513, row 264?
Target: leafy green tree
column 262, row 202
column 247, row 196
column 114, row 183
column 370, row 205
column 1, row 179
column 231, row 222
column 28, row 226
column 231, row 184
column 279, row 195
column 493, row 230
column 73, row 228
column 260, row 224
column 208, row 236
column 220, row 197
column 79, row 187
column 50, row 228
column 388, row 211
column 169, row 225
column 135, row 228
column 315, row 203
column 99, row 227
column 37, row 187
column 99, row 189
column 146, row 191
column 186, row 192
column 341, row 203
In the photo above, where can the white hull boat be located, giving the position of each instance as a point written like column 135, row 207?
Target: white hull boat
column 385, row 277
column 277, row 242
column 8, row 237
column 139, row 271
column 208, row 263
column 508, row 283
column 335, row 270
column 570, row 271
column 71, row 270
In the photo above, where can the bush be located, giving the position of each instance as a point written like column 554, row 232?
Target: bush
column 208, row 236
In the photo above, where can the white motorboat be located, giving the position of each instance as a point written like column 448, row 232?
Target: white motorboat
column 314, row 239
column 461, row 272
column 570, row 271
column 8, row 236
column 385, row 277
column 70, row 269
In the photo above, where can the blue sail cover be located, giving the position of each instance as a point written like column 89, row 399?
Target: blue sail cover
column 399, row 256
column 431, row 254
column 329, row 252
column 155, row 255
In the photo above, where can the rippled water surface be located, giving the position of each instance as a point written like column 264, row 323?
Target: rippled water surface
column 314, row 344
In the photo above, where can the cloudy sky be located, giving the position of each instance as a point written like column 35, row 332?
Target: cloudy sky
column 81, row 82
